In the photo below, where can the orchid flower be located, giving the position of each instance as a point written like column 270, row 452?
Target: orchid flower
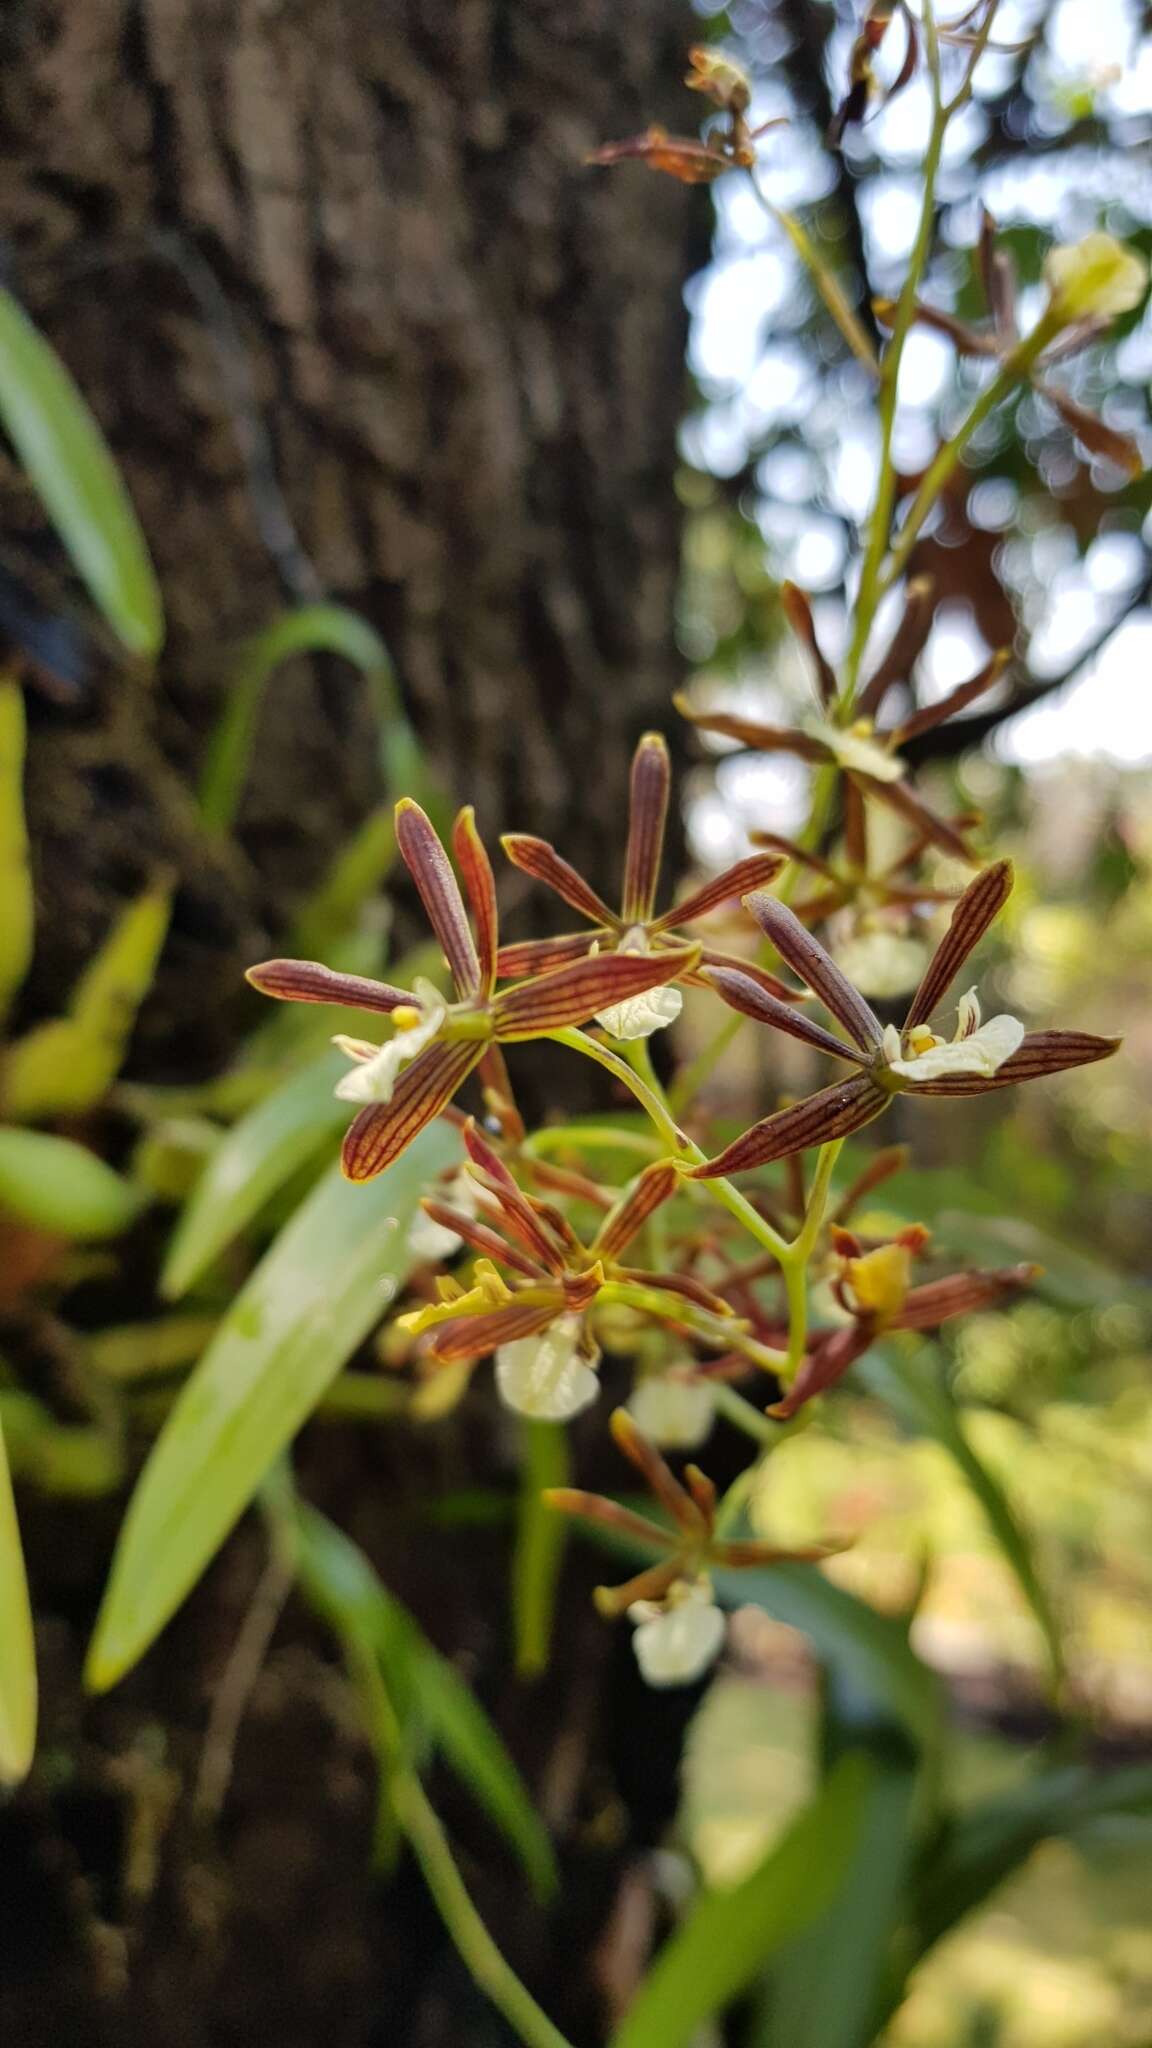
column 868, row 758
column 679, row 1627
column 911, row 1060
column 404, row 1084
column 874, row 1287
column 536, row 1322
column 634, row 929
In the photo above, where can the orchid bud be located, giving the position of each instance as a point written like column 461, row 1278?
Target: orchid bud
column 1096, row 279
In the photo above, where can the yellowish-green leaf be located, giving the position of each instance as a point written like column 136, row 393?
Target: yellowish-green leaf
column 68, row 1064
column 17, row 1645
column 258, row 1155
column 314, row 1297
column 354, row 876
column 62, row 1188
column 68, row 461
column 18, row 920
column 728, row 1936
column 314, row 629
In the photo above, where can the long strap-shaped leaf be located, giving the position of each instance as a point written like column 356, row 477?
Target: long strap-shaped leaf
column 343, row 1586
column 729, row 1936
column 68, row 461
column 17, row 923
column 313, row 1298
column 17, row 1648
column 906, row 1381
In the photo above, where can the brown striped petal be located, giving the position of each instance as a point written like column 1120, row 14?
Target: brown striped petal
column 647, row 1192
column 537, row 956
column 684, row 1285
column 998, row 274
column 763, row 739
column 807, row 957
column 835, row 1113
column 959, row 1295
column 982, row 901
column 431, row 870
column 481, row 1238
column 906, row 646
column 380, row 1133
column 798, row 612
column 1042, row 1052
column 754, row 873
column 826, row 1363
column 956, row 700
column 709, row 957
column 536, row 858
column 791, row 850
column 655, row 1471
column 933, row 829
column 651, row 783
column 475, row 1336
column 480, row 887
column 307, row 981
column 744, row 994
column 1098, row 437
column 573, row 994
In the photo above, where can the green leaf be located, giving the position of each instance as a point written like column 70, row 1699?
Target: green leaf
column 258, row 1156
column 985, row 1845
column 540, row 1539
column 62, row 1188
column 823, row 1990
column 728, row 1936
column 355, row 874
column 18, row 924
column 66, row 1065
column 17, row 1644
column 320, row 1288
column 314, row 629
column 345, row 1588
column 911, row 1387
column 867, row 1651
column 68, row 461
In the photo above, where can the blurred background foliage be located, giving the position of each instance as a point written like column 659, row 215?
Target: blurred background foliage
column 1005, row 1511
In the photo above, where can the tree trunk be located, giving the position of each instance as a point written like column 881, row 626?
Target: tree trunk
column 358, row 322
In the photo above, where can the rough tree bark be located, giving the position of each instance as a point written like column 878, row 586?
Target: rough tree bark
column 356, row 320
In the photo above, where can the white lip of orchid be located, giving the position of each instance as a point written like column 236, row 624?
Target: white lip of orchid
column 976, row 1048
column 853, row 746
column 678, row 1638
column 430, row 1241
column 543, row 1376
column 675, row 1412
column 378, row 1066
column 639, row 1016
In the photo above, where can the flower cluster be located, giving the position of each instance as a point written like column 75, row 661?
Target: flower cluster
column 568, row 1277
